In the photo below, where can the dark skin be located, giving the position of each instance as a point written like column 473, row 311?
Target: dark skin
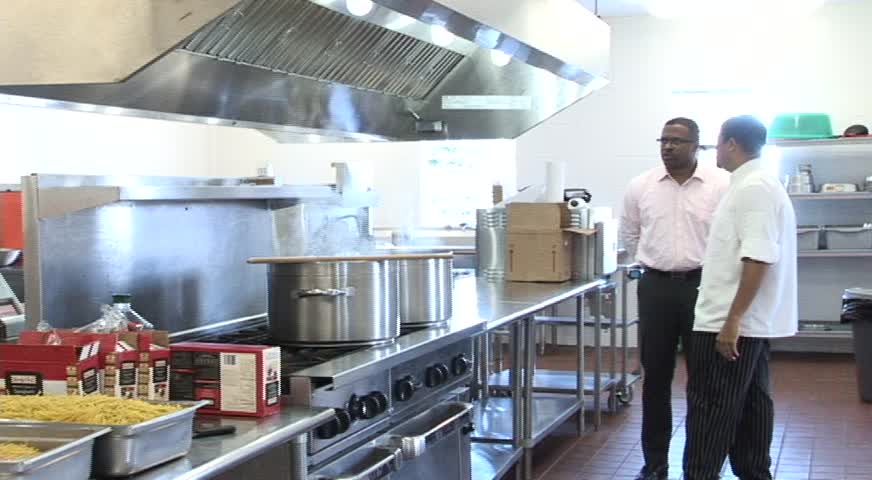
column 678, row 152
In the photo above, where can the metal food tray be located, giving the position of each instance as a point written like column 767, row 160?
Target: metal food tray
column 129, row 449
column 66, row 450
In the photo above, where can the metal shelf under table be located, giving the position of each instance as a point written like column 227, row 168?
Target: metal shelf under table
column 491, row 461
column 556, row 381
column 493, row 419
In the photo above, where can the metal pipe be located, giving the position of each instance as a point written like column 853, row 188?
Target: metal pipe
column 579, row 341
column 517, row 392
column 299, row 459
column 613, row 351
column 482, row 359
column 625, row 283
column 529, row 369
column 32, row 267
column 597, row 359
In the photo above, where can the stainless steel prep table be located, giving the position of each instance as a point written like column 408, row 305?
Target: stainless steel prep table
column 479, row 306
column 213, row 456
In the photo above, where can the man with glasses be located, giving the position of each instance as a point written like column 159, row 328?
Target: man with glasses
column 664, row 226
column 747, row 296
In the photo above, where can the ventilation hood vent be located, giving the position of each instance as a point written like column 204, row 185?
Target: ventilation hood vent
column 406, row 70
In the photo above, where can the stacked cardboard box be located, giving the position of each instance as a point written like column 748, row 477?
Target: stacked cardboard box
column 538, row 248
column 154, row 365
column 235, row 379
column 49, row 369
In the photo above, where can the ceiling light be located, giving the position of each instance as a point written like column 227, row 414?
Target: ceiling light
column 440, row 35
column 213, row 121
column 113, row 110
column 358, row 7
column 400, row 22
column 312, row 138
column 500, row 58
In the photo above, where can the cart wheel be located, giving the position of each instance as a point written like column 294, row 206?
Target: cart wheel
column 625, row 396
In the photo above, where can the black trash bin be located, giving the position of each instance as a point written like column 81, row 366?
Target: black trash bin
column 857, row 310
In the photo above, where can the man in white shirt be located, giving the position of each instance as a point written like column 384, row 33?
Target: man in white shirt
column 664, row 226
column 747, row 296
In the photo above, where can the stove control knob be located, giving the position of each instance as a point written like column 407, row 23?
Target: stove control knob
column 337, row 425
column 376, row 403
column 436, row 375
column 405, row 388
column 443, row 372
column 460, row 365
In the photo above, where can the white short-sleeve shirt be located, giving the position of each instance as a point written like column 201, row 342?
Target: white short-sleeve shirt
column 754, row 220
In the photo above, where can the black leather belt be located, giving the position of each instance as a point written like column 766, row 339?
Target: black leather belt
column 685, row 275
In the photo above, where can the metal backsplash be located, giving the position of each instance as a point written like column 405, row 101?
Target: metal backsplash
column 179, row 246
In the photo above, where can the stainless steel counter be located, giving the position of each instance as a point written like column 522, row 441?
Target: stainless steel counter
column 479, row 306
column 212, row 456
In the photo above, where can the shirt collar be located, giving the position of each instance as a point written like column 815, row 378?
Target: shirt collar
column 746, row 169
column 663, row 174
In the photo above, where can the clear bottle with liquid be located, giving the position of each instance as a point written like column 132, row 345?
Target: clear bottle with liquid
column 122, row 303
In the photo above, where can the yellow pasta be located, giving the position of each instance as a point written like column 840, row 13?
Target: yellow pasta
column 16, row 451
column 88, row 409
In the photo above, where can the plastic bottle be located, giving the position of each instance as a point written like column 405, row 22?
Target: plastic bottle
column 121, row 302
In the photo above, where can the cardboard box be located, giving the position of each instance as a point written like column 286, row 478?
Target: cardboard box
column 49, row 369
column 117, row 357
column 154, row 365
column 537, row 217
column 539, row 257
column 236, row 379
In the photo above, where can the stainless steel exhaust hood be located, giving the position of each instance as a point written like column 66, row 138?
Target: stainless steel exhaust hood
column 388, row 70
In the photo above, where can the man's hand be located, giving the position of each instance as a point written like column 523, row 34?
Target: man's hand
column 728, row 340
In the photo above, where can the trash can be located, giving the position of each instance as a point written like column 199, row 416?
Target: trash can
column 857, row 310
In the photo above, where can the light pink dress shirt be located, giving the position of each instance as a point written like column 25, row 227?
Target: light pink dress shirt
column 665, row 225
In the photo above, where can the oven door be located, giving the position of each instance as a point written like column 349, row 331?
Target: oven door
column 432, row 445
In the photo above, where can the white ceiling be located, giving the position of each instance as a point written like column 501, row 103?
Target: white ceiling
column 623, row 8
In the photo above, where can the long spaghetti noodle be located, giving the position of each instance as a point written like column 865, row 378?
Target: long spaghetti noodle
column 88, row 409
column 16, row 451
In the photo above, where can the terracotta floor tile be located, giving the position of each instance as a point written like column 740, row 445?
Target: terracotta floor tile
column 822, row 430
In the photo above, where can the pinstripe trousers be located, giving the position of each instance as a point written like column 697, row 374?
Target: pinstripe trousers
column 729, row 410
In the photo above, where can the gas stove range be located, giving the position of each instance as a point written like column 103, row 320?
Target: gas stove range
column 366, row 407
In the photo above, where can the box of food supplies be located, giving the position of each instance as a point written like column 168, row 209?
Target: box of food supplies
column 52, row 369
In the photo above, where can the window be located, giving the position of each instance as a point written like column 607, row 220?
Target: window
column 457, row 179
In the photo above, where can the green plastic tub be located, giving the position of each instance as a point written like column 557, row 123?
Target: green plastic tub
column 801, row 126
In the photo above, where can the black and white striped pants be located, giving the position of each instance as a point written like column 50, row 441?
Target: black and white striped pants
column 729, row 410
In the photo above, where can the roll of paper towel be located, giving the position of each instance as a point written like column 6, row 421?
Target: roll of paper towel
column 576, row 204
column 555, row 181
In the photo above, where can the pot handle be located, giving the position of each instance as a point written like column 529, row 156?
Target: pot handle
column 326, row 292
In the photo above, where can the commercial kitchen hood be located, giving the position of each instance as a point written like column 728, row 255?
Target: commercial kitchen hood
column 391, row 70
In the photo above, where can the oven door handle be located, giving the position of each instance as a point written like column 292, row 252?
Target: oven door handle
column 388, row 461
column 416, row 445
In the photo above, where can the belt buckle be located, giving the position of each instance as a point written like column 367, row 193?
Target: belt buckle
column 678, row 275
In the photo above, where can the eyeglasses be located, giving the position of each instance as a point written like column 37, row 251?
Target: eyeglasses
column 674, row 141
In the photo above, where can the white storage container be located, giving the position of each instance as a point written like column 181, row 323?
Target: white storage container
column 849, row 238
column 808, row 238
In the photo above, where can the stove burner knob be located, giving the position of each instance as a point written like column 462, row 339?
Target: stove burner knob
column 436, row 375
column 382, row 401
column 405, row 388
column 460, row 365
column 443, row 372
column 374, row 405
column 339, row 424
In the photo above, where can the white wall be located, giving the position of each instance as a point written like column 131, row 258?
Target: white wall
column 812, row 64
column 40, row 140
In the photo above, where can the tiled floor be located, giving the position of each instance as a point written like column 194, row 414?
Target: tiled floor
column 822, row 430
